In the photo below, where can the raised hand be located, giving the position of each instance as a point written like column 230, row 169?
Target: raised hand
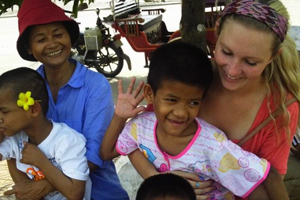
column 127, row 103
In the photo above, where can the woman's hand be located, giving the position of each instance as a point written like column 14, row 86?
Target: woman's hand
column 127, row 103
column 33, row 190
column 147, row 169
column 201, row 187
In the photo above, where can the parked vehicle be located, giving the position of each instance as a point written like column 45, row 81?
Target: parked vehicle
column 97, row 48
column 143, row 29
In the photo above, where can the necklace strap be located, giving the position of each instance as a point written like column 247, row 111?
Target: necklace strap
column 264, row 123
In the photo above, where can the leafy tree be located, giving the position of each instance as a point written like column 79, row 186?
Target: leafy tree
column 7, row 4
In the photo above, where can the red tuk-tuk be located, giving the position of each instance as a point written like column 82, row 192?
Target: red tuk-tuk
column 145, row 30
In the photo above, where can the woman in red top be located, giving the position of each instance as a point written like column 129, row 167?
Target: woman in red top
column 256, row 73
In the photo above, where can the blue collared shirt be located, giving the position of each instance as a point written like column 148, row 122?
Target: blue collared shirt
column 86, row 104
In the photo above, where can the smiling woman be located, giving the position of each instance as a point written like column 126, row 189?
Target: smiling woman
column 256, row 72
column 51, row 45
column 240, row 62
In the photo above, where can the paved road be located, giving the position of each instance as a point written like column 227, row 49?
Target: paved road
column 10, row 58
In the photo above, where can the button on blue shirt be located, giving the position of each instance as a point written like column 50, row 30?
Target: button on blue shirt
column 86, row 104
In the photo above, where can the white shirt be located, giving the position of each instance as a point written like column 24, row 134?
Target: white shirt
column 65, row 149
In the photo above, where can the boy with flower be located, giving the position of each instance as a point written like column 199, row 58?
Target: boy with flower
column 41, row 147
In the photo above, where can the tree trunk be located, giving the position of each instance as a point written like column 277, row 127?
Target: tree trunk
column 192, row 22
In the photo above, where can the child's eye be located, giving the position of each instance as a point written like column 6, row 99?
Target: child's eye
column 170, row 100
column 195, row 103
column 4, row 111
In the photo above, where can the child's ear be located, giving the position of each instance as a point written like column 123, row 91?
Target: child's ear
column 148, row 93
column 29, row 51
column 35, row 109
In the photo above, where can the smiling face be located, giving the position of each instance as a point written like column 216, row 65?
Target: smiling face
column 50, row 44
column 242, row 54
column 175, row 105
column 13, row 118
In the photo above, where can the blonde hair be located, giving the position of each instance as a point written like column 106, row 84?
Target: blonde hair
column 282, row 75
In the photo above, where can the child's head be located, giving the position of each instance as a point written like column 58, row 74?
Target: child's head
column 179, row 75
column 180, row 62
column 42, row 12
column 18, row 111
column 22, row 80
column 165, row 187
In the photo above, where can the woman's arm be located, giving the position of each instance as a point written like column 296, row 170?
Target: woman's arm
column 272, row 188
column 25, row 188
column 273, row 145
column 273, row 142
column 16, row 175
column 33, row 190
column 274, row 185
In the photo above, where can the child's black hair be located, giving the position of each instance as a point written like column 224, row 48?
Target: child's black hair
column 165, row 185
column 24, row 79
column 180, row 61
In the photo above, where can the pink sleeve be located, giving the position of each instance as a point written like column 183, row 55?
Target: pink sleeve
column 127, row 140
column 238, row 170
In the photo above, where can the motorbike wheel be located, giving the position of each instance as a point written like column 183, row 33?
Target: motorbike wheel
column 111, row 60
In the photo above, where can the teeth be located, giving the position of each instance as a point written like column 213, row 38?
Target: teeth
column 231, row 77
column 54, row 53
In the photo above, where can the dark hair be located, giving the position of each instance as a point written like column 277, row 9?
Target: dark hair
column 24, row 79
column 180, row 61
column 165, row 185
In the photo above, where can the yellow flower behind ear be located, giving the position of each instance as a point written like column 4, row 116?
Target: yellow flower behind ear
column 25, row 100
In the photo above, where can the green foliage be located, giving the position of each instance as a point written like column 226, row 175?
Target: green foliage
column 8, row 4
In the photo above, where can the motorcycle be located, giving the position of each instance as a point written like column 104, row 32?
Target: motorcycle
column 97, row 48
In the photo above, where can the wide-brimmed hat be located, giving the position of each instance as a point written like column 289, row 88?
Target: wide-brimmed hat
column 38, row 12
